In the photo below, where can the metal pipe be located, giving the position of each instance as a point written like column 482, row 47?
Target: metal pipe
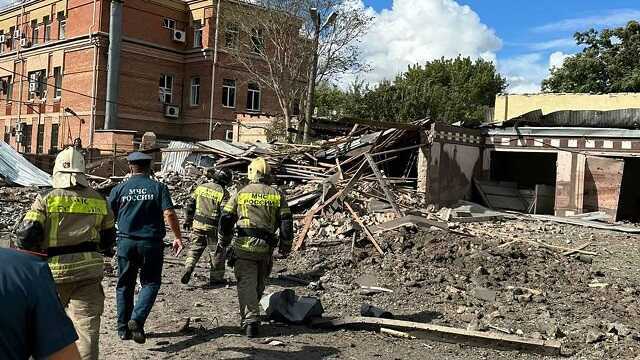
column 113, row 71
column 213, row 71
column 94, row 80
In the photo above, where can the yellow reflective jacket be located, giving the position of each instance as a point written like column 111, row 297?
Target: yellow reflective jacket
column 259, row 212
column 208, row 202
column 72, row 221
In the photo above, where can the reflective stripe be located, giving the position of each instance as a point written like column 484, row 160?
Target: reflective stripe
column 209, row 193
column 35, row 216
column 76, row 205
column 251, row 245
column 257, row 199
column 230, row 207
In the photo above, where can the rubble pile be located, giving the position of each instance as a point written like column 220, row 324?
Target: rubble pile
column 478, row 283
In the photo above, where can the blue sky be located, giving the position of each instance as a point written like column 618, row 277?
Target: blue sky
column 524, row 37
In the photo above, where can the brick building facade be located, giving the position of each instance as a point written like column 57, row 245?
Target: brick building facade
column 166, row 60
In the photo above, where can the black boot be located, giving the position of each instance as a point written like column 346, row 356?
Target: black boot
column 186, row 276
column 124, row 335
column 252, row 329
column 137, row 332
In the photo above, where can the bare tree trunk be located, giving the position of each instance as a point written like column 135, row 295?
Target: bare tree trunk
column 287, row 123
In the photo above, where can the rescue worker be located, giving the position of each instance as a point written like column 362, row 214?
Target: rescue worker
column 202, row 217
column 142, row 206
column 258, row 212
column 73, row 225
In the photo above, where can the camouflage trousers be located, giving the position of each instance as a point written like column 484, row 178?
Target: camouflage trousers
column 252, row 276
column 201, row 242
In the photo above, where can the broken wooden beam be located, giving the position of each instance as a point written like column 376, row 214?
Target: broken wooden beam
column 450, row 334
column 364, row 228
column 383, row 185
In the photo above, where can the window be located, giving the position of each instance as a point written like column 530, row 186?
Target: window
column 257, row 41
column 253, row 97
column 40, row 139
column 54, row 137
column 13, row 39
column 229, row 93
column 26, row 138
column 37, row 84
column 231, row 36
column 47, row 29
column 7, row 87
column 169, row 23
column 228, row 135
column 35, row 32
column 7, row 134
column 166, row 86
column 62, row 25
column 195, row 91
column 57, row 78
column 197, row 34
column 3, row 42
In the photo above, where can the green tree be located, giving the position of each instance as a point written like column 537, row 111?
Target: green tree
column 448, row 90
column 608, row 63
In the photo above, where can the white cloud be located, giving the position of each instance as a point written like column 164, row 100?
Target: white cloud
column 526, row 72
column 557, row 58
column 415, row 31
column 610, row 18
column 553, row 44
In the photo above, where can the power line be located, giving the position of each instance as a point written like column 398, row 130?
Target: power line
column 76, row 92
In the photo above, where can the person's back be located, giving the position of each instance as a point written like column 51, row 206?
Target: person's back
column 32, row 320
column 138, row 206
column 73, row 220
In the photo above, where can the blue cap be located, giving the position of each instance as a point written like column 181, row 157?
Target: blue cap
column 138, row 156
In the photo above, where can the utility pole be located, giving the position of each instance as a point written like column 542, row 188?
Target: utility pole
column 313, row 73
column 113, row 63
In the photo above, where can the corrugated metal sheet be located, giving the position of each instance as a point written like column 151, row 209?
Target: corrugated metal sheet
column 173, row 160
column 15, row 169
column 621, row 119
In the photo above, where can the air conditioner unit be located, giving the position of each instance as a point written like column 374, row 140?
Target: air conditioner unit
column 33, row 87
column 19, row 127
column 17, row 34
column 172, row 111
column 179, row 36
column 25, row 43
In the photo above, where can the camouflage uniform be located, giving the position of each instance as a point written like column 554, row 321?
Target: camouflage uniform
column 258, row 211
column 202, row 215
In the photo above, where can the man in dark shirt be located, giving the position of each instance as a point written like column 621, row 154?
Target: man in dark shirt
column 141, row 206
column 32, row 320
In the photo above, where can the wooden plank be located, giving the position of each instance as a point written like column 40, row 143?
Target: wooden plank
column 591, row 224
column 383, row 185
column 581, row 247
column 364, row 227
column 451, row 335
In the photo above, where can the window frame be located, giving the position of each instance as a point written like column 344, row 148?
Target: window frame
column 197, row 34
column 57, row 82
column 256, row 39
column 40, row 139
column 9, row 92
column 251, row 97
column 231, row 31
column 62, row 25
column 226, row 89
column 35, row 32
column 167, row 21
column 26, row 138
column 53, row 142
column 41, row 81
column 47, row 29
column 194, row 89
column 166, row 90
column 7, row 134
column 12, row 30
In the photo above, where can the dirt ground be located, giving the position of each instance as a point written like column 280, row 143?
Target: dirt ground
column 437, row 277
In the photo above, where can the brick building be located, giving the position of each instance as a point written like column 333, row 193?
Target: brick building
column 165, row 78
